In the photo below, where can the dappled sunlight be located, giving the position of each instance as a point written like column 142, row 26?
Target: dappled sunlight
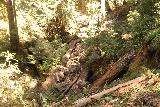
column 3, row 25
column 126, row 36
column 73, row 52
column 93, row 6
column 12, row 87
column 4, row 31
column 28, row 29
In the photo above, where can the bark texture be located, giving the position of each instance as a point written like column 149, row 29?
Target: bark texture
column 87, row 100
column 114, row 69
column 13, row 29
column 139, row 59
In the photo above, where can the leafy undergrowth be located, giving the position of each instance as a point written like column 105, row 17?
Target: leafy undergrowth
column 12, row 84
column 16, row 89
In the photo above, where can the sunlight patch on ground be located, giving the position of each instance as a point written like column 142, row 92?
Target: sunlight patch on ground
column 3, row 24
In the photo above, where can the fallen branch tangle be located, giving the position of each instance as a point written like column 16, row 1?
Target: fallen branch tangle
column 67, row 90
column 87, row 100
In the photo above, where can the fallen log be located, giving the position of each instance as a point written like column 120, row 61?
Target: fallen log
column 114, row 69
column 139, row 59
column 87, row 100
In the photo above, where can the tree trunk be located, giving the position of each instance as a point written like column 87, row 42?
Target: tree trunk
column 88, row 100
column 114, row 69
column 13, row 29
column 139, row 59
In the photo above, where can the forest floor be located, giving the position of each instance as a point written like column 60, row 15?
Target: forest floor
column 134, row 89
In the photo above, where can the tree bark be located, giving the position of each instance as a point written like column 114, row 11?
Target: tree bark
column 139, row 59
column 87, row 100
column 114, row 69
column 13, row 29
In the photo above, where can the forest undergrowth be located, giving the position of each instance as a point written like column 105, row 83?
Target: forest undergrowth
column 89, row 53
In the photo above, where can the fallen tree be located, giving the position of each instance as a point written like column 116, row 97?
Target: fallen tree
column 139, row 59
column 114, row 69
column 87, row 100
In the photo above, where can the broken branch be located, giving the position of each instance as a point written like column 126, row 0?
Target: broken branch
column 83, row 101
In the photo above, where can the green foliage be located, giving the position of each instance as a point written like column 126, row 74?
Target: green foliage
column 155, row 37
column 11, row 84
column 114, row 45
column 4, row 42
column 142, row 20
column 142, row 24
column 49, row 53
column 110, row 44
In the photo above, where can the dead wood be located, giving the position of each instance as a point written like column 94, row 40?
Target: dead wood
column 68, row 89
column 60, row 103
column 87, row 100
column 62, row 96
column 147, row 99
column 138, row 60
column 114, row 69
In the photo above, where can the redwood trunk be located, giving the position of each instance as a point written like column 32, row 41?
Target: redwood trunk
column 114, row 69
column 13, row 29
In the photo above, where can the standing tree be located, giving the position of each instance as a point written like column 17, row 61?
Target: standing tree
column 13, row 29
